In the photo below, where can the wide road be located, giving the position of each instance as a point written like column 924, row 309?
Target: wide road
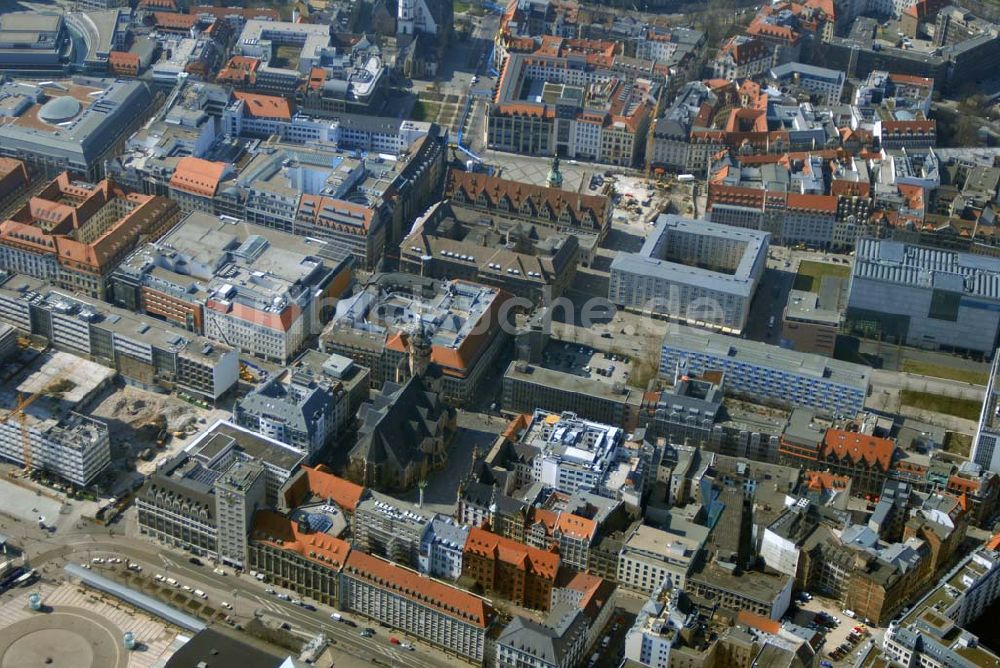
column 246, row 594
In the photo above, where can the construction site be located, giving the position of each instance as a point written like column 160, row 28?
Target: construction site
column 147, row 427
column 44, row 425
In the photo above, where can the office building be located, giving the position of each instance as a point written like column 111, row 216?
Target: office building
column 53, row 433
column 763, row 594
column 401, row 326
column 146, row 351
column 442, row 547
column 650, row 640
column 239, row 493
column 389, row 528
column 298, row 555
column 575, row 454
column 74, row 234
column 765, row 373
column 32, row 40
column 453, row 241
column 316, row 490
column 692, row 271
column 651, row 557
column 263, row 291
column 536, row 205
column 71, row 125
column 807, row 326
column 439, row 614
column 925, row 297
column 519, row 573
column 294, row 408
column 529, row 386
column 985, row 452
column 826, row 84
column 178, row 505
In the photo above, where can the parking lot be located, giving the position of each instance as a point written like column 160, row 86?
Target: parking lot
column 584, row 361
column 838, row 629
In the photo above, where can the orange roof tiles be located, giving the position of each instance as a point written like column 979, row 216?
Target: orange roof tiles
column 448, row 600
column 270, row 527
column 912, row 80
column 574, row 525
column 265, row 106
column 824, row 480
column 524, row 557
column 824, row 203
column 319, row 482
column 197, row 176
column 175, row 21
column 758, row 622
column 858, row 447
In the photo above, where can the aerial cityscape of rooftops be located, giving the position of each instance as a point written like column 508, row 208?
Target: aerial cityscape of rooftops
column 521, row 334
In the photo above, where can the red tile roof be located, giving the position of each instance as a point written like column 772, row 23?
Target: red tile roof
column 759, row 622
column 197, row 176
column 524, row 557
column 270, row 527
column 824, row 480
column 265, row 106
column 319, row 482
column 409, row 584
column 858, row 447
column 824, row 203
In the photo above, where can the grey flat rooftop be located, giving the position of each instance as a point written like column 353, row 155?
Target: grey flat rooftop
column 811, row 71
column 763, row 355
column 920, row 266
column 647, row 261
column 222, row 434
column 569, row 382
column 804, row 305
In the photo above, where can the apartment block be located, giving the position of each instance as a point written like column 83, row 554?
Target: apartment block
column 510, row 570
column 440, row 614
column 74, row 234
column 693, row 271
column 766, row 373
column 146, row 351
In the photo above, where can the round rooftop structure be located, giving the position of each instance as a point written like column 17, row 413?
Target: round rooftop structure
column 59, row 109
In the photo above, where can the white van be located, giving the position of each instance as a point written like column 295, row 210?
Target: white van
column 200, row 594
column 172, row 582
column 849, row 613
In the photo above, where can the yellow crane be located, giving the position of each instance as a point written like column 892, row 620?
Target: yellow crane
column 18, row 413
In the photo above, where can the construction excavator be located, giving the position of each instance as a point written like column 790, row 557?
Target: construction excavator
column 18, row 414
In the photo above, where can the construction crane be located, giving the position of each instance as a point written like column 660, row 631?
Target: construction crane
column 18, row 413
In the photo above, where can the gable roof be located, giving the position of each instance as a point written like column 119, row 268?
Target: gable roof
column 532, row 560
column 318, row 482
column 409, row 584
column 858, row 447
column 282, row 532
column 197, row 176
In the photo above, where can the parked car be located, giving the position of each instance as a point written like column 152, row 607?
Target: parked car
column 196, row 561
